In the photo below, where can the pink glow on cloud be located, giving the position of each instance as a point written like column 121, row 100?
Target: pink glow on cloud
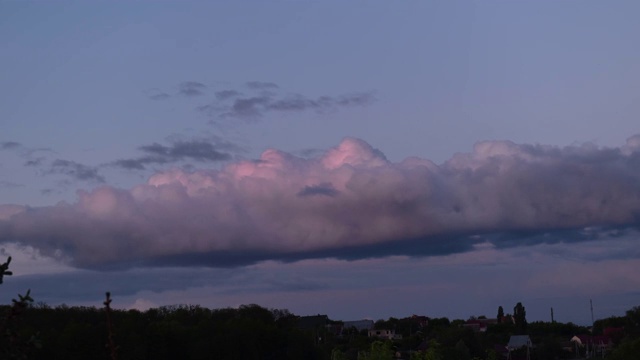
column 349, row 197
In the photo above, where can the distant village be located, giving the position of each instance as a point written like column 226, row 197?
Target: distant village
column 503, row 337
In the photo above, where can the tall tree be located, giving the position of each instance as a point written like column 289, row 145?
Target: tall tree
column 520, row 317
column 500, row 314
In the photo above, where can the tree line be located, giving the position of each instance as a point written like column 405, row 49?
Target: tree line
column 30, row 330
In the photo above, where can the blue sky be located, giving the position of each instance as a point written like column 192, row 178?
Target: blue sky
column 442, row 158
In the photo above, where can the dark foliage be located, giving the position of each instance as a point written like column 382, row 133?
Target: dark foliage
column 172, row 332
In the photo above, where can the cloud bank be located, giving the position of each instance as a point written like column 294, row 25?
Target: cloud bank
column 350, row 203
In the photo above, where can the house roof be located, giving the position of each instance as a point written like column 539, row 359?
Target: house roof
column 518, row 341
column 589, row 339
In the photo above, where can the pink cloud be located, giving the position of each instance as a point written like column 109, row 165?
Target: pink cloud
column 355, row 199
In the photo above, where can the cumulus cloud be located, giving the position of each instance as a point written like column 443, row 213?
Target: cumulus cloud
column 350, row 202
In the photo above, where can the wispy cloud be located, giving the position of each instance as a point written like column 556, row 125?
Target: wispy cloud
column 34, row 162
column 257, row 106
column 192, row 88
column 325, row 189
column 9, row 145
column 75, row 170
column 259, row 98
column 10, row 184
column 159, row 96
column 255, row 99
column 196, row 149
column 156, row 94
column 350, row 203
column 261, row 85
column 226, row 94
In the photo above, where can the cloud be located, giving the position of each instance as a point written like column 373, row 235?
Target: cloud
column 47, row 191
column 192, row 88
column 248, row 107
column 258, row 98
column 156, row 94
column 75, row 170
column 325, row 189
column 260, row 85
column 34, row 162
column 265, row 97
column 159, row 96
column 348, row 203
column 226, row 94
column 9, row 145
column 180, row 150
column 257, row 106
column 10, row 184
column 197, row 150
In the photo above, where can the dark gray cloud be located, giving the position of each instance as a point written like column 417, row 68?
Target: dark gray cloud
column 10, row 184
column 248, row 107
column 156, row 94
column 29, row 155
column 257, row 106
column 309, row 153
column 192, row 88
column 258, row 98
column 91, row 285
column 133, row 164
column 261, row 85
column 348, row 203
column 75, row 170
column 181, row 150
column 196, row 150
column 81, row 286
column 324, row 189
column 159, row 96
column 34, row 162
column 300, row 103
column 226, row 94
column 47, row 191
column 9, row 145
column 358, row 99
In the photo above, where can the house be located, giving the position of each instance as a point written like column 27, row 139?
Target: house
column 359, row 325
column 518, row 342
column 592, row 345
column 312, row 322
column 421, row 321
column 479, row 325
column 384, row 334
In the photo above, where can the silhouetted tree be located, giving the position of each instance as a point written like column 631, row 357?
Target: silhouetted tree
column 520, row 317
column 4, row 269
column 500, row 314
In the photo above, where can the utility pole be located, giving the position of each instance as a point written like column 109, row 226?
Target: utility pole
column 552, row 316
column 591, row 302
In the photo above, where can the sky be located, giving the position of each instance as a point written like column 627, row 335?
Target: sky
column 360, row 160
